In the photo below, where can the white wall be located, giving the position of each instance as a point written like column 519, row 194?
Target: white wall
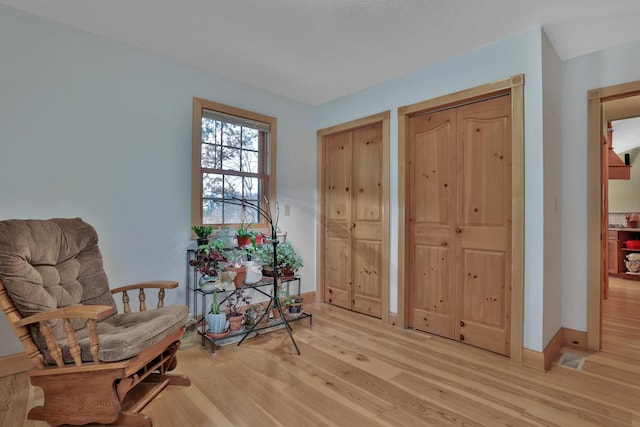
column 515, row 55
column 605, row 68
column 99, row 130
column 624, row 195
column 552, row 119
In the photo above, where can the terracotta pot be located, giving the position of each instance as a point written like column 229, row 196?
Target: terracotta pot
column 235, row 322
column 241, row 273
column 286, row 272
column 244, row 241
column 267, row 271
column 282, row 273
column 632, row 224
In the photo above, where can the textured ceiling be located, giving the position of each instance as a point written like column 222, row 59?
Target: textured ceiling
column 317, row 50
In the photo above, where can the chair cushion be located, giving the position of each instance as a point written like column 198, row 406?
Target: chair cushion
column 124, row 335
column 48, row 264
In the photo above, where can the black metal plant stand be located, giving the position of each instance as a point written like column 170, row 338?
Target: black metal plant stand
column 274, row 302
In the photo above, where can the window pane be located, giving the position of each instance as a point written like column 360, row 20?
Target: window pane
column 210, row 131
column 249, row 161
column 250, row 138
column 231, row 135
column 250, row 188
column 209, row 156
column 251, row 215
column 230, row 159
column 232, row 187
column 212, row 185
column 232, row 213
column 211, row 211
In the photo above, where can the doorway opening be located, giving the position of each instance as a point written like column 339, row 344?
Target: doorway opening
column 605, row 105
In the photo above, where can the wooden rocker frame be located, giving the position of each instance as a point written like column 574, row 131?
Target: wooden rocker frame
column 95, row 392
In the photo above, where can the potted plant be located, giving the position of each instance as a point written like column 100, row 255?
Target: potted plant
column 253, row 314
column 280, row 235
column 207, row 259
column 288, row 260
column 294, row 304
column 203, row 232
column 235, row 259
column 245, row 235
column 216, row 320
column 235, row 302
column 632, row 219
column 227, row 235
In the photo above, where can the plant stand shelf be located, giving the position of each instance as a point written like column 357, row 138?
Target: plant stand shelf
column 263, row 325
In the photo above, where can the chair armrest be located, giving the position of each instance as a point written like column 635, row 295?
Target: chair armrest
column 92, row 313
column 141, row 286
column 156, row 284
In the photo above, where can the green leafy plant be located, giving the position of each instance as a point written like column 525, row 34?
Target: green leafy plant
column 245, row 230
column 215, row 307
column 202, row 231
column 208, row 257
column 287, row 257
column 235, row 257
column 238, row 299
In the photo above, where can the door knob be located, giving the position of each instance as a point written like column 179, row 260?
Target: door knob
column 461, row 337
column 462, row 323
column 458, row 230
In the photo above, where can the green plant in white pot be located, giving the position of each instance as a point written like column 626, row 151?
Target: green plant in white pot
column 216, row 320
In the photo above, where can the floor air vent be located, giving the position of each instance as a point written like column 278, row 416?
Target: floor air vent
column 571, row 360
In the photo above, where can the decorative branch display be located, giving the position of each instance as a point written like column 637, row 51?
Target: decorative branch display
column 275, row 302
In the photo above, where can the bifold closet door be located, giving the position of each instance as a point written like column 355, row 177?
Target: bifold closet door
column 337, row 218
column 352, row 229
column 460, row 223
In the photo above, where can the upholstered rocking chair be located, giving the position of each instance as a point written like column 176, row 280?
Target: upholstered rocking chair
column 87, row 357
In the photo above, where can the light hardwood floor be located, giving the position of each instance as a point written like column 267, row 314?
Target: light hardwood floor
column 354, row 371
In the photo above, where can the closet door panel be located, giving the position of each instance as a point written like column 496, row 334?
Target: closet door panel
column 431, row 186
column 367, row 176
column 483, row 242
column 431, row 294
column 337, row 219
column 366, row 230
column 337, row 272
column 367, row 286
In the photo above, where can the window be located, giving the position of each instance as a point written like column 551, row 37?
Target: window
column 233, row 155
